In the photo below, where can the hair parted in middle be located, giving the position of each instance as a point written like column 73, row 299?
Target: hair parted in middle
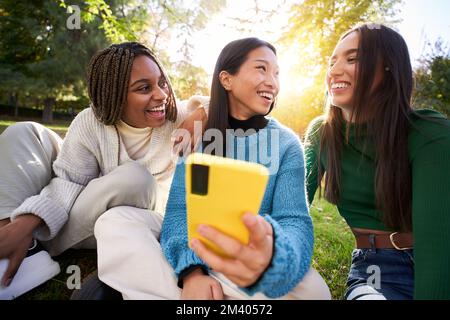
column 389, row 109
column 108, row 78
column 231, row 58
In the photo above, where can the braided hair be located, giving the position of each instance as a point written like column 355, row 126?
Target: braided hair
column 108, row 77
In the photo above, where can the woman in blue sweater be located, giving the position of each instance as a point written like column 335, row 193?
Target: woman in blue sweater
column 276, row 262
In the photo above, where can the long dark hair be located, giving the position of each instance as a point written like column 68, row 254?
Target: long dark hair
column 232, row 56
column 389, row 109
column 108, row 77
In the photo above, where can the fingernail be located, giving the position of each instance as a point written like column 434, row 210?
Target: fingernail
column 7, row 282
column 194, row 243
column 248, row 217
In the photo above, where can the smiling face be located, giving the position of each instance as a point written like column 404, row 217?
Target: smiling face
column 253, row 89
column 147, row 95
column 342, row 70
column 342, row 74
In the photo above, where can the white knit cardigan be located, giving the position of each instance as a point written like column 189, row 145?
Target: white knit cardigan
column 92, row 149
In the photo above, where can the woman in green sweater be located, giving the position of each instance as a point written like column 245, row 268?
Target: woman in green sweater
column 386, row 167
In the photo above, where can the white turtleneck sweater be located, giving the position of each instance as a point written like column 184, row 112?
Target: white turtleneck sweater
column 136, row 140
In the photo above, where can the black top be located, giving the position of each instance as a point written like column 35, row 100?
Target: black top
column 256, row 122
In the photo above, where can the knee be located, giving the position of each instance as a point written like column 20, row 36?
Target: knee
column 364, row 292
column 20, row 129
column 312, row 287
column 107, row 220
column 133, row 177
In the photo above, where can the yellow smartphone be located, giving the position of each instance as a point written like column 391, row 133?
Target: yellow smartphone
column 218, row 193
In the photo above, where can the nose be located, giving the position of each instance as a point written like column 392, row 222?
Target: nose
column 335, row 69
column 160, row 94
column 272, row 81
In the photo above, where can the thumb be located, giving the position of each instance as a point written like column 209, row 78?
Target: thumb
column 256, row 228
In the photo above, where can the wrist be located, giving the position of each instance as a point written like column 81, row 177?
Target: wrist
column 27, row 222
column 193, row 275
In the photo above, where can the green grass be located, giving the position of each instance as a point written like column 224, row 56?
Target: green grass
column 60, row 127
column 332, row 251
column 333, row 246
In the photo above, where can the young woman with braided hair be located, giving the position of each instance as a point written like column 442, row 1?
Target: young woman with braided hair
column 117, row 152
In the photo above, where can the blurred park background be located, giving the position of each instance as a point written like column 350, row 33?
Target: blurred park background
column 45, row 47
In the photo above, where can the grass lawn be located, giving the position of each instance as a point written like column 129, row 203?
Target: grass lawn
column 332, row 251
column 60, row 127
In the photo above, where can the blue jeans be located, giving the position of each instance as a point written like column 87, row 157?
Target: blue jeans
column 379, row 274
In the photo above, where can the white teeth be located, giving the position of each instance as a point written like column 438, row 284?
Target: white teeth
column 339, row 85
column 266, row 95
column 157, row 109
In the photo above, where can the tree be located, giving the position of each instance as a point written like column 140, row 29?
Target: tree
column 314, row 29
column 155, row 23
column 432, row 88
column 46, row 60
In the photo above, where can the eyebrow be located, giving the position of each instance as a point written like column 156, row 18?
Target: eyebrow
column 144, row 80
column 346, row 53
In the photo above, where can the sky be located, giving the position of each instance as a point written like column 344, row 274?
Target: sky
column 422, row 20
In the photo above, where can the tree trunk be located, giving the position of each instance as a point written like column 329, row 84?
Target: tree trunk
column 47, row 114
column 16, row 105
column 12, row 101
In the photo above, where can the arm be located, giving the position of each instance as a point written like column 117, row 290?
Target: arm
column 174, row 240
column 187, row 107
column 431, row 218
column 74, row 167
column 292, row 228
column 190, row 124
column 312, row 145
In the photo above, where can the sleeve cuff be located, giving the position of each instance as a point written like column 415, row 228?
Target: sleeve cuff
column 53, row 215
column 198, row 101
column 273, row 281
column 183, row 274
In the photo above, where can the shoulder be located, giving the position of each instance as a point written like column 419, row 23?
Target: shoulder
column 86, row 118
column 428, row 127
column 85, row 126
column 314, row 128
column 290, row 149
column 287, row 135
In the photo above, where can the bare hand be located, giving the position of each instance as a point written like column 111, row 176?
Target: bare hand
column 189, row 143
column 15, row 239
column 247, row 262
column 197, row 286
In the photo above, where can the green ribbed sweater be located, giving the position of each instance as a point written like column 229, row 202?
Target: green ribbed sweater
column 429, row 155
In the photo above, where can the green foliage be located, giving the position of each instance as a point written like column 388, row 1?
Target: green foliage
column 314, row 28
column 42, row 62
column 189, row 80
column 433, row 80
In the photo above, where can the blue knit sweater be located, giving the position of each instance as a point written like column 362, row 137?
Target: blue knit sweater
column 284, row 207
